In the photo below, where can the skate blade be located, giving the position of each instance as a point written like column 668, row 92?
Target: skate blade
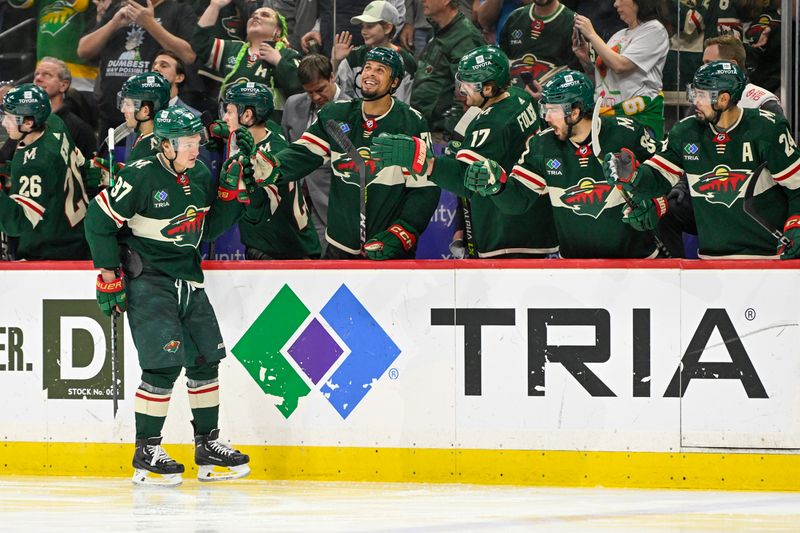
column 221, row 473
column 145, row 477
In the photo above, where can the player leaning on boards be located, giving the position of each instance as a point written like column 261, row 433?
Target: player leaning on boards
column 718, row 149
column 398, row 205
column 47, row 203
column 169, row 204
column 498, row 132
column 561, row 164
column 276, row 224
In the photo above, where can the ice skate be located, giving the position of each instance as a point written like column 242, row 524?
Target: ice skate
column 217, row 461
column 153, row 466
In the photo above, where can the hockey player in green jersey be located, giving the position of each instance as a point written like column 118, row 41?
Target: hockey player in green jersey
column 142, row 96
column 169, row 204
column 538, row 41
column 506, row 120
column 276, row 224
column 562, row 164
column 718, row 149
column 46, row 203
column 398, row 205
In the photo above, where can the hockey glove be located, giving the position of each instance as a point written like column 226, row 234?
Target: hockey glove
column 646, row 215
column 408, row 152
column 111, row 295
column 236, row 179
column 452, row 148
column 792, row 230
column 97, row 171
column 265, row 168
column 247, row 145
column 392, row 243
column 680, row 192
column 486, row 178
column 620, row 169
column 5, row 176
column 218, row 134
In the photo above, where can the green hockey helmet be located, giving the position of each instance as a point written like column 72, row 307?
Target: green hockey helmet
column 176, row 122
column 255, row 96
column 27, row 101
column 566, row 90
column 715, row 78
column 145, row 87
column 388, row 57
column 480, row 66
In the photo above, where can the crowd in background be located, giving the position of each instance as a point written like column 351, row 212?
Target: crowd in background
column 639, row 53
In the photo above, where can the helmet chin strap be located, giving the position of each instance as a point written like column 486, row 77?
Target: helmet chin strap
column 378, row 97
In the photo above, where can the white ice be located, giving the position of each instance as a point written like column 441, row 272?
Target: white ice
column 32, row 504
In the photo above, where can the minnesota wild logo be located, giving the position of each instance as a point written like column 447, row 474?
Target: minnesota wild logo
column 347, row 169
column 588, row 197
column 722, row 185
column 186, row 228
column 57, row 15
column 530, row 65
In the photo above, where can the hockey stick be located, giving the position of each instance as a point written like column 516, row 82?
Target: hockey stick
column 750, row 207
column 466, row 211
column 111, row 141
column 623, row 158
column 120, row 132
column 335, row 131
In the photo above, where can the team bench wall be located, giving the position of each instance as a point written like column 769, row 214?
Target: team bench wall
column 620, row 373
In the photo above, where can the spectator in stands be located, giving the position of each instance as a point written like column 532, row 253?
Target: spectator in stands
column 53, row 76
column 60, row 25
column 538, row 42
column 266, row 57
column 319, row 86
column 379, row 22
column 763, row 44
column 432, row 92
column 127, row 36
column 604, row 17
column 491, row 16
column 417, row 30
column 628, row 69
column 323, row 32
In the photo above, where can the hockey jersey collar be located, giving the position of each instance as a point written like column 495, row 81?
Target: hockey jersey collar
column 729, row 130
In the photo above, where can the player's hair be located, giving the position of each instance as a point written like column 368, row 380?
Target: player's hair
column 730, row 48
column 180, row 66
column 314, row 67
column 63, row 71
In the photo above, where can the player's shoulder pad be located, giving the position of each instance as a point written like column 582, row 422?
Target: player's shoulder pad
column 139, row 171
column 339, row 111
column 405, row 109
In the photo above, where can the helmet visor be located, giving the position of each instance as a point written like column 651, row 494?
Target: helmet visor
column 189, row 142
column 466, row 88
column 697, row 96
column 554, row 111
column 127, row 105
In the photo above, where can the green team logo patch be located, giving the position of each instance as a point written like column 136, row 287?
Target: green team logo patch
column 722, row 185
column 588, row 197
column 186, row 228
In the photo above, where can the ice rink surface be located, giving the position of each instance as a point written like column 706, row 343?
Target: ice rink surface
column 29, row 504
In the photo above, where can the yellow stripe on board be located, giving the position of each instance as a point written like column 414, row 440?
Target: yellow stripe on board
column 508, row 467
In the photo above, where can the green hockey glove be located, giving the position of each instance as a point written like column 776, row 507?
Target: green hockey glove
column 620, row 169
column 5, row 176
column 392, row 243
column 247, row 145
column 218, row 134
column 486, row 178
column 236, row 179
column 111, row 295
column 646, row 215
column 401, row 150
column 792, row 230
